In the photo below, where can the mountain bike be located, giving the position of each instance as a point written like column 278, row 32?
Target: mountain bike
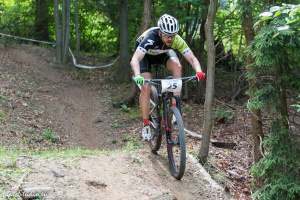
column 165, row 119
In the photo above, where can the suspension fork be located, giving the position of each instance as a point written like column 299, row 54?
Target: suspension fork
column 166, row 106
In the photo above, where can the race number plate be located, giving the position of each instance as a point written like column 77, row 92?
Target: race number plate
column 172, row 85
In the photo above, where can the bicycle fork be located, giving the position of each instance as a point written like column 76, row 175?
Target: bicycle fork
column 167, row 103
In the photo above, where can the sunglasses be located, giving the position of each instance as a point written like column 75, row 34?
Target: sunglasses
column 168, row 36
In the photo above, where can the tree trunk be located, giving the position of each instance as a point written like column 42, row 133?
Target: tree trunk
column 256, row 121
column 66, row 30
column 123, row 66
column 42, row 19
column 209, row 96
column 131, row 99
column 76, row 6
column 58, row 33
column 147, row 15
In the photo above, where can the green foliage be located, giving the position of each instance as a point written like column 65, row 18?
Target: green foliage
column 228, row 26
column 3, row 99
column 132, row 143
column 133, row 112
column 17, row 17
column 223, row 114
column 276, row 51
column 124, row 108
column 279, row 168
column 276, row 68
column 50, row 135
column 2, row 116
column 262, row 98
column 284, row 18
column 98, row 33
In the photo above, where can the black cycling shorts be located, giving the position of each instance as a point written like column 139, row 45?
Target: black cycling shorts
column 161, row 59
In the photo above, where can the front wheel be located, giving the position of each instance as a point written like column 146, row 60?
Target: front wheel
column 176, row 143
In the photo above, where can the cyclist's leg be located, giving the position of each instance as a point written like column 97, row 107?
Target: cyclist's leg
column 144, row 99
column 174, row 66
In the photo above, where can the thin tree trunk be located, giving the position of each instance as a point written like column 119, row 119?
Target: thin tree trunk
column 123, row 66
column 209, row 96
column 58, row 33
column 42, row 19
column 76, row 6
column 256, row 121
column 66, row 32
column 131, row 99
column 147, row 15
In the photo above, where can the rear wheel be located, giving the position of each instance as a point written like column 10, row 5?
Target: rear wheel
column 155, row 141
column 176, row 143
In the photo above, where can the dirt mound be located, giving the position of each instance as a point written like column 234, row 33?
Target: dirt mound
column 119, row 175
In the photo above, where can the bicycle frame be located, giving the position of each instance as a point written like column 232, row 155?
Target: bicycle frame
column 165, row 99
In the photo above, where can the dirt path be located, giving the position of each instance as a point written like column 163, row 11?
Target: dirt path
column 77, row 106
column 138, row 175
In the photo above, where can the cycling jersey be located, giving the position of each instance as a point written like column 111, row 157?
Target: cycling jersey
column 150, row 43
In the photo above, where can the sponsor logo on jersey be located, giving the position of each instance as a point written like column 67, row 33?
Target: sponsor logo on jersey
column 156, row 51
column 149, row 42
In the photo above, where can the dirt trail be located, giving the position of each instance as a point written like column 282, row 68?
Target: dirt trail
column 138, row 175
column 80, row 112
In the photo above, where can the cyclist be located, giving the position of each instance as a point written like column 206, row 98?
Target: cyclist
column 156, row 46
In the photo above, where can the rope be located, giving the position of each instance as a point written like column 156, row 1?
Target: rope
column 73, row 57
column 91, row 67
column 27, row 39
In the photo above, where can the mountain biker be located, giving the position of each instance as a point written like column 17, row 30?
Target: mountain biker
column 156, row 46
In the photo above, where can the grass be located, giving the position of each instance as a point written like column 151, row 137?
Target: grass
column 116, row 124
column 2, row 116
column 132, row 143
column 3, row 99
column 224, row 114
column 132, row 112
column 9, row 172
column 187, row 109
column 49, row 135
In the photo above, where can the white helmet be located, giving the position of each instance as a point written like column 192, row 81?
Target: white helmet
column 168, row 24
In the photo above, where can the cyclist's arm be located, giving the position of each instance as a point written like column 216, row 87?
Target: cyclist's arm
column 135, row 61
column 184, row 49
column 191, row 58
column 180, row 45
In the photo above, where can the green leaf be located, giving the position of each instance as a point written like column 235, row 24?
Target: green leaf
column 278, row 13
column 276, row 34
column 293, row 21
column 256, row 24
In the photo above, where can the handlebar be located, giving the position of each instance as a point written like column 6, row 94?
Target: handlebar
column 158, row 81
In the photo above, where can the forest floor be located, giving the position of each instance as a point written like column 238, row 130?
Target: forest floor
column 60, row 132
